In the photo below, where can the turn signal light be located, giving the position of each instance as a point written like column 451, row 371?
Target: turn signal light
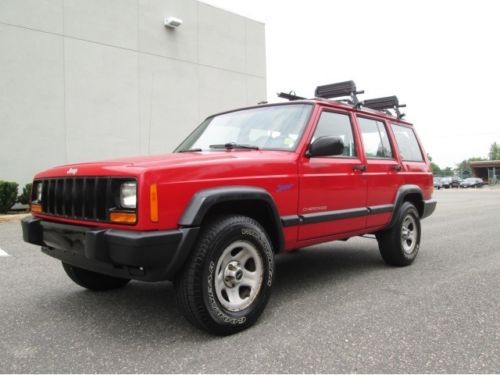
column 153, row 203
column 36, row 208
column 123, row 217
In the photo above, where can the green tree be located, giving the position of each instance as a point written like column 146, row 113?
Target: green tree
column 8, row 195
column 463, row 168
column 436, row 170
column 447, row 172
column 494, row 153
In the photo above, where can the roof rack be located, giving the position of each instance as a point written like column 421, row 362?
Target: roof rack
column 384, row 104
column 348, row 88
column 337, row 90
column 290, row 96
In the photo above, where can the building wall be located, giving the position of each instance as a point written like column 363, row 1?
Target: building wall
column 85, row 80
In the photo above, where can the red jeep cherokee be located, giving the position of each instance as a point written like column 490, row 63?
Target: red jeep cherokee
column 245, row 185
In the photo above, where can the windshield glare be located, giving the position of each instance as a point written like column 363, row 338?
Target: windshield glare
column 273, row 128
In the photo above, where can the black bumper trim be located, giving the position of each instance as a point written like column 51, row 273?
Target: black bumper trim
column 149, row 255
column 429, row 207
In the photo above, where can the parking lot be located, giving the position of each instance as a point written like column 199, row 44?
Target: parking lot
column 335, row 308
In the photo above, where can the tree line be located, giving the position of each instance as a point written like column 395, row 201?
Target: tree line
column 463, row 168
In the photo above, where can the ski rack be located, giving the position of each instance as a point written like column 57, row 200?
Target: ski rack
column 384, row 104
column 348, row 88
column 337, row 90
column 290, row 96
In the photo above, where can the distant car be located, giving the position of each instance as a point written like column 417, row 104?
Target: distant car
column 455, row 182
column 472, row 182
column 446, row 182
column 437, row 183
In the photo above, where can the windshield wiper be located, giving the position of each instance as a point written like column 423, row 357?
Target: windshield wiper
column 233, row 145
column 191, row 150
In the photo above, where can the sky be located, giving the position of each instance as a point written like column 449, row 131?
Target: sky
column 441, row 58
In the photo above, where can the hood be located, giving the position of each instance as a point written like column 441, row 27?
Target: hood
column 140, row 164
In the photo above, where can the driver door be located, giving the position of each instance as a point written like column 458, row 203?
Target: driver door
column 333, row 190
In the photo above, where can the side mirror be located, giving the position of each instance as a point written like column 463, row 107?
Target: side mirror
column 326, row 146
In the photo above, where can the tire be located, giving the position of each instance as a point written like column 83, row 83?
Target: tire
column 399, row 245
column 226, row 283
column 93, row 280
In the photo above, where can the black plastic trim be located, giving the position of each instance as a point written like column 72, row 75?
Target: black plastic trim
column 319, row 217
column 32, row 231
column 291, row 220
column 381, row 209
column 148, row 255
column 204, row 200
column 429, row 207
column 403, row 191
column 334, row 215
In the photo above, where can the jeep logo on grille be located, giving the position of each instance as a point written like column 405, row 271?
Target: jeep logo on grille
column 72, row 171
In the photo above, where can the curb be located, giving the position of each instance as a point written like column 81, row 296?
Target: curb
column 12, row 217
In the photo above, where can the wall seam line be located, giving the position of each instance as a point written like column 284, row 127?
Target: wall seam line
column 133, row 50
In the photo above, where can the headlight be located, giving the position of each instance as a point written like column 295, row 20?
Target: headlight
column 37, row 192
column 128, row 195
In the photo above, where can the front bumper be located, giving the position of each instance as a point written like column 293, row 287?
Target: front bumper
column 148, row 256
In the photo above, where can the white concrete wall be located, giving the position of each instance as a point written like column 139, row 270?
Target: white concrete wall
column 84, row 80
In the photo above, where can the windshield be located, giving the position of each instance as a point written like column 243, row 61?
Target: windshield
column 270, row 128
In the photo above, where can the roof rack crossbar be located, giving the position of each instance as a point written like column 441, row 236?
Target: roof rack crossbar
column 336, row 90
column 348, row 88
column 290, row 96
column 385, row 103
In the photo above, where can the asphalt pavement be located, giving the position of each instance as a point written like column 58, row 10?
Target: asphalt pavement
column 335, row 308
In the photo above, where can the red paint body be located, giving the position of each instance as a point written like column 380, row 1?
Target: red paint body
column 298, row 184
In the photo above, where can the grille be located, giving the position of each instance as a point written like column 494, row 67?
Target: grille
column 85, row 198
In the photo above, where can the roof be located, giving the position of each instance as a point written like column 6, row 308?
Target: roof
column 325, row 102
column 382, row 108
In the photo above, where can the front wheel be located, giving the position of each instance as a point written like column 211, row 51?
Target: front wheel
column 226, row 283
column 93, row 280
column 399, row 245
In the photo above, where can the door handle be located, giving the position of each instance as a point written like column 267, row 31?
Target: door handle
column 359, row 168
column 396, row 167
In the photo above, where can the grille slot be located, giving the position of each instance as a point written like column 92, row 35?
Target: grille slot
column 84, row 198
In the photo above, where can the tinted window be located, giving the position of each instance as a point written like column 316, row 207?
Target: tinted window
column 407, row 143
column 375, row 139
column 337, row 125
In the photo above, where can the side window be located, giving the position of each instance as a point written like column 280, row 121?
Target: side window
column 375, row 139
column 337, row 125
column 407, row 143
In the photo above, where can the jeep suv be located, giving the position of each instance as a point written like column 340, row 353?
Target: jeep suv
column 245, row 185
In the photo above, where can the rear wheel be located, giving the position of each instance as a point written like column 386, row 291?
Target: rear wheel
column 93, row 280
column 399, row 245
column 226, row 283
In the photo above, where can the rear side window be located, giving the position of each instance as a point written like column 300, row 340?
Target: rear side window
column 337, row 125
column 407, row 143
column 375, row 139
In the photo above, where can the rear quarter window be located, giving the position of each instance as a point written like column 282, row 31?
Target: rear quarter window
column 409, row 148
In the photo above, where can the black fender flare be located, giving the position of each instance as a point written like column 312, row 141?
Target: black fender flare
column 402, row 193
column 204, row 200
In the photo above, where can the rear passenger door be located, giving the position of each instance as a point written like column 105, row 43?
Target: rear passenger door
column 382, row 172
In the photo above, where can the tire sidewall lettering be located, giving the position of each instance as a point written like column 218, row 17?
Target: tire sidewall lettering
column 261, row 239
column 239, row 232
